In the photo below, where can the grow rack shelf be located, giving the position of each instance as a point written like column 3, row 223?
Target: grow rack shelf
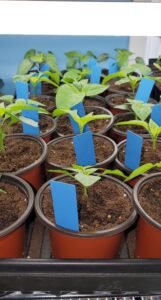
column 51, row 278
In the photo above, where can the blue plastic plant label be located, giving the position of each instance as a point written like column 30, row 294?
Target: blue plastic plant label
column 91, row 62
column 112, row 65
column 144, row 90
column 84, row 149
column 44, row 67
column 133, row 150
column 95, row 74
column 156, row 114
column 81, row 112
column 21, row 90
column 64, row 201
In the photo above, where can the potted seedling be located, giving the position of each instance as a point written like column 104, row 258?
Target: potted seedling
column 20, row 154
column 101, row 225
column 46, row 123
column 68, row 99
column 16, row 203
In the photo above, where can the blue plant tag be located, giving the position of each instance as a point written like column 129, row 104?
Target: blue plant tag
column 112, row 65
column 37, row 90
column 21, row 90
column 133, row 150
column 84, row 149
column 91, row 62
column 65, row 205
column 156, row 114
column 95, row 74
column 144, row 90
column 44, row 67
column 81, row 112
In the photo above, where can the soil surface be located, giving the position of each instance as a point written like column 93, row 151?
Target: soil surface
column 19, row 153
column 93, row 102
column 13, row 203
column 64, row 126
column 148, row 155
column 45, row 125
column 62, row 152
column 150, row 198
column 48, row 101
column 122, row 87
column 117, row 100
column 107, row 205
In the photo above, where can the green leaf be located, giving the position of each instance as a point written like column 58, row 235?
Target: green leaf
column 38, row 58
column 89, row 53
column 71, row 63
column 122, row 57
column 72, row 75
column 153, row 128
column 7, row 98
column 65, row 172
column 25, row 66
column 102, row 57
column 2, row 110
column 139, row 60
column 50, row 59
column 122, row 81
column 68, row 96
column 135, row 122
column 157, row 66
column 123, row 106
column 94, row 89
column 140, row 171
column 72, row 54
column 28, row 121
column 87, row 180
column 30, row 53
column 114, row 172
column 2, row 191
column 141, row 110
column 24, row 78
column 113, row 76
column 60, row 112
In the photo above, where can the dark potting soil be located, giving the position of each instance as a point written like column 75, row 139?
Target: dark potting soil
column 118, row 100
column 19, row 153
column 48, row 101
column 147, row 156
column 107, row 205
column 122, row 87
column 45, row 125
column 150, row 198
column 13, row 203
column 64, row 126
column 62, row 152
column 93, row 102
column 124, row 128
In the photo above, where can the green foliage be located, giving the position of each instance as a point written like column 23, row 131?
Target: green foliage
column 122, row 56
column 153, row 129
column 81, row 121
column 69, row 95
column 74, row 75
column 139, row 60
column 141, row 110
column 32, row 59
column 76, row 59
column 2, row 191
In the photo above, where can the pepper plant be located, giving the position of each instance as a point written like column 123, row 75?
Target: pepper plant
column 12, row 113
column 33, row 59
column 152, row 128
column 79, row 60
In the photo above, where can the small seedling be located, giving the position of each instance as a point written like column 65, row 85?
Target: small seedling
column 152, row 128
column 3, row 191
column 140, row 109
column 81, row 121
column 74, row 75
column 12, row 113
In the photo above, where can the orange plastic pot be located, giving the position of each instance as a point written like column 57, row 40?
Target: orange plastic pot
column 12, row 238
column 148, row 232
column 69, row 244
column 34, row 174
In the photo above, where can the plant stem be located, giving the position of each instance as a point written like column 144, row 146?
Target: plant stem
column 154, row 140
column 85, row 193
column 2, row 137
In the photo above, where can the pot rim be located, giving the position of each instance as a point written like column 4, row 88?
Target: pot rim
column 122, row 133
column 48, row 108
column 108, row 160
column 36, row 163
column 52, row 129
column 26, row 188
column 139, row 185
column 111, row 231
column 105, row 128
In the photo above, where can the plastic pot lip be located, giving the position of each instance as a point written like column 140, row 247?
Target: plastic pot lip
column 108, row 232
column 26, row 188
column 106, row 111
column 50, row 97
column 97, row 97
column 143, row 181
column 52, row 129
column 38, row 161
column 108, row 98
column 106, row 161
column 122, row 133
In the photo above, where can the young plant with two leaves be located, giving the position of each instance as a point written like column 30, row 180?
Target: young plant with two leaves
column 12, row 114
column 69, row 95
column 87, row 176
column 33, row 59
column 78, row 60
